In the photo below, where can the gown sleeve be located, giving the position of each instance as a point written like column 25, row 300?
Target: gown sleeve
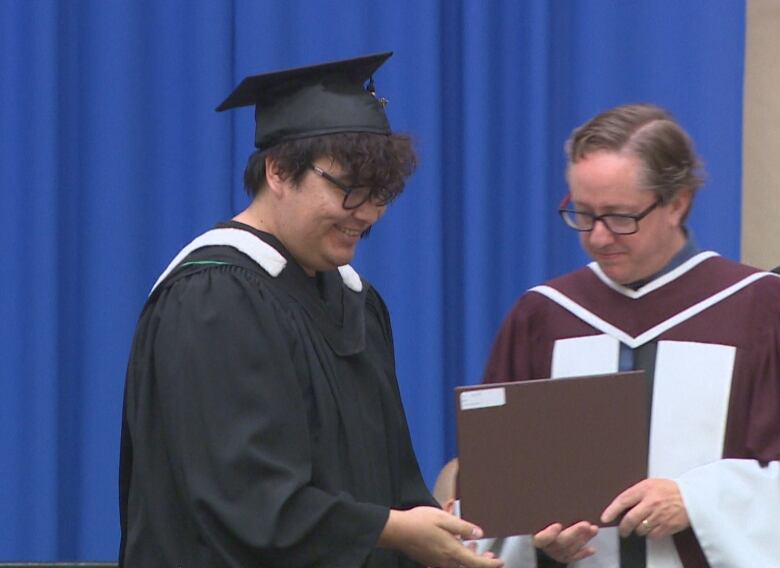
column 734, row 509
column 237, row 434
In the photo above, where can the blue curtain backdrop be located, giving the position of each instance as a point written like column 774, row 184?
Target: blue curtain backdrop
column 111, row 158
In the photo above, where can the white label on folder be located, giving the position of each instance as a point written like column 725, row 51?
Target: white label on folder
column 482, row 398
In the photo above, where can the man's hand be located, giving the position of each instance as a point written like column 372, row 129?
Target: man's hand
column 654, row 509
column 567, row 545
column 434, row 538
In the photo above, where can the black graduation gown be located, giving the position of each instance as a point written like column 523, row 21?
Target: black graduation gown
column 263, row 424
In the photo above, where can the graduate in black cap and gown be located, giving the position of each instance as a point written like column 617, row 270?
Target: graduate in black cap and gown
column 262, row 421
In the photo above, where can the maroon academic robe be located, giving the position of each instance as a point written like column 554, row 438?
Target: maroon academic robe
column 714, row 328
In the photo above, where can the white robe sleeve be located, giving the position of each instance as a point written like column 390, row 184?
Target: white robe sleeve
column 734, row 509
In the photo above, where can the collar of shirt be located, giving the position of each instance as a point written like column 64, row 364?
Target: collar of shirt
column 689, row 250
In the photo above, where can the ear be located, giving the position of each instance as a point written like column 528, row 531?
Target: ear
column 680, row 205
column 273, row 178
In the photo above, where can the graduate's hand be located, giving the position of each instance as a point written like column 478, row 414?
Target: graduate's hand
column 657, row 501
column 434, row 538
column 569, row 544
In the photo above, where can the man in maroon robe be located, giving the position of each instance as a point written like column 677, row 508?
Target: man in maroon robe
column 705, row 329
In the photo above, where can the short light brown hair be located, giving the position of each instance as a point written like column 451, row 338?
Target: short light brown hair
column 650, row 133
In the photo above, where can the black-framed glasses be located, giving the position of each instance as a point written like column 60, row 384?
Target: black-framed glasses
column 356, row 196
column 617, row 223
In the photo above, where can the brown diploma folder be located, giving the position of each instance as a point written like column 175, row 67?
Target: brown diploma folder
column 536, row 452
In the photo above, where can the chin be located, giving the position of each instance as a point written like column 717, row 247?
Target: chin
column 346, row 254
column 341, row 259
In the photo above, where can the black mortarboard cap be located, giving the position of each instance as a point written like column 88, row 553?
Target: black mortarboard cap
column 315, row 100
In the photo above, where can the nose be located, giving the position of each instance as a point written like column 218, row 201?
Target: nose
column 600, row 235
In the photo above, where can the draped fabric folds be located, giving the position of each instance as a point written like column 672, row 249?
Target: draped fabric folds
column 112, row 158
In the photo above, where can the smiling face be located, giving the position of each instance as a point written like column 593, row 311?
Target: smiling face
column 309, row 220
column 609, row 182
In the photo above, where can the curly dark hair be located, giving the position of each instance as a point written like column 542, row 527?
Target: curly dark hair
column 367, row 159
